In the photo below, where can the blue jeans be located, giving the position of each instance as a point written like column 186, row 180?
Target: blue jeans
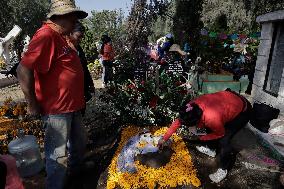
column 65, row 144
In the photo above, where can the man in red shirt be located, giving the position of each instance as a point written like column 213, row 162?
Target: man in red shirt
column 52, row 79
column 222, row 114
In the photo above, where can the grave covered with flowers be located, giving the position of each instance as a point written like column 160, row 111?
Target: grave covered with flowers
column 178, row 172
column 149, row 102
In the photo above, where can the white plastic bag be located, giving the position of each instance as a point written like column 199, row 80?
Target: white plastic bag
column 139, row 144
column 276, row 127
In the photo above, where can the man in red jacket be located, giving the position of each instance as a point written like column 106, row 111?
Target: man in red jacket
column 223, row 114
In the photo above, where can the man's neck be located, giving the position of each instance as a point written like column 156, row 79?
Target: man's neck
column 56, row 26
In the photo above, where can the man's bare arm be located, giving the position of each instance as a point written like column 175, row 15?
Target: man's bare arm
column 27, row 83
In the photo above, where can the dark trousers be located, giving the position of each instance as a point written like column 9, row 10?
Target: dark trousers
column 3, row 174
column 223, row 145
column 107, row 71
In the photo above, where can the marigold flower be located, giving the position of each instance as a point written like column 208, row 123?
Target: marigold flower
column 179, row 171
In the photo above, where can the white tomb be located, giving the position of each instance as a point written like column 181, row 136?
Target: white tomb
column 268, row 84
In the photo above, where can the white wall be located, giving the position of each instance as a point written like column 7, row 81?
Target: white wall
column 261, row 66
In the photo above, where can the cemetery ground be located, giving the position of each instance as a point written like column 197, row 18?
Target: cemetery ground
column 248, row 147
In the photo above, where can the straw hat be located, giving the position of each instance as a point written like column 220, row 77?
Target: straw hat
column 62, row 7
column 176, row 48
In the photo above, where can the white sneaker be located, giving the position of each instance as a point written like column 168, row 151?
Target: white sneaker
column 206, row 150
column 218, row 176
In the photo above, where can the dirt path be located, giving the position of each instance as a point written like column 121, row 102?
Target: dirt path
column 15, row 92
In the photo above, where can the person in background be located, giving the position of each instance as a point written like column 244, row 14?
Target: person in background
column 162, row 50
column 251, row 70
column 187, row 49
column 52, row 79
column 107, row 54
column 76, row 37
column 222, row 114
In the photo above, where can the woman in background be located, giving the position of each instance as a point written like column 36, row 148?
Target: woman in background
column 107, row 54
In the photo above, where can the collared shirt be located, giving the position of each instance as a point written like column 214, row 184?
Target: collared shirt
column 59, row 76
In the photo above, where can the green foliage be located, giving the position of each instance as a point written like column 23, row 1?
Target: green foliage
column 240, row 15
column 88, row 44
column 147, row 102
column 28, row 14
column 260, row 7
column 233, row 12
column 142, row 16
column 124, row 68
column 186, row 21
column 103, row 22
column 164, row 24
column 213, row 53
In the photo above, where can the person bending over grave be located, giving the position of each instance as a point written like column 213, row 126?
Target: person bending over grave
column 222, row 114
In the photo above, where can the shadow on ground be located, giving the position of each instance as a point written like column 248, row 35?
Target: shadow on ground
column 239, row 176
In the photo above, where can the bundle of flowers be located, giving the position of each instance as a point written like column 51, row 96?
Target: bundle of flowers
column 148, row 102
column 13, row 109
column 96, row 69
column 179, row 171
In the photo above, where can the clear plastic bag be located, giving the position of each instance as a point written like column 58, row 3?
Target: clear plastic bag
column 125, row 162
column 139, row 144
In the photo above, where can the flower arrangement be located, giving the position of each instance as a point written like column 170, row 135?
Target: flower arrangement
column 95, row 68
column 13, row 109
column 6, row 107
column 148, row 102
column 179, row 171
column 20, row 109
column 217, row 52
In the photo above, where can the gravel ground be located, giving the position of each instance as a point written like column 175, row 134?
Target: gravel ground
column 15, row 92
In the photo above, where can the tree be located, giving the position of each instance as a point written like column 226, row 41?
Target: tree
column 187, row 20
column 142, row 16
column 28, row 14
column 240, row 15
column 259, row 7
column 233, row 12
column 164, row 24
column 5, row 20
column 103, row 22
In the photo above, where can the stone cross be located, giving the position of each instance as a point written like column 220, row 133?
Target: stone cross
column 6, row 42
